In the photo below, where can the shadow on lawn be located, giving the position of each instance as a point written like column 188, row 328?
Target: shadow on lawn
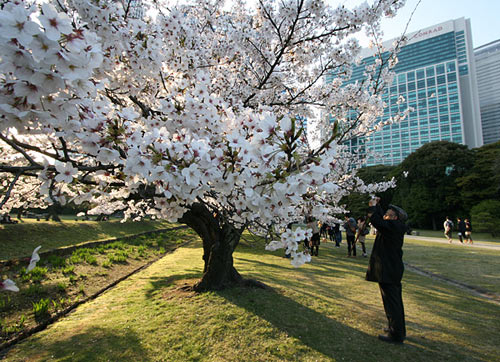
column 311, row 326
column 331, row 337
column 90, row 345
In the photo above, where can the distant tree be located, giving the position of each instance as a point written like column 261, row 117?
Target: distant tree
column 486, row 217
column 482, row 180
column 426, row 186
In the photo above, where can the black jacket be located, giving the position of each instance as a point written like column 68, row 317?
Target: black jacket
column 386, row 260
column 461, row 226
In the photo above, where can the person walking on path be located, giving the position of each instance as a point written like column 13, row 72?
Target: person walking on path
column 350, row 234
column 386, row 265
column 448, row 227
column 468, row 231
column 363, row 230
column 461, row 229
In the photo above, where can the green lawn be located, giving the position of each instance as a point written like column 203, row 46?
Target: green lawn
column 19, row 240
column 324, row 311
column 472, row 266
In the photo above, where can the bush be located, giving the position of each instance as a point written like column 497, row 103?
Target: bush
column 41, row 308
column 34, row 290
column 56, row 261
column 486, row 217
column 68, row 270
column 84, row 254
column 35, row 275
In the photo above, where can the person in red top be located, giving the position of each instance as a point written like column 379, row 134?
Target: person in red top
column 386, row 265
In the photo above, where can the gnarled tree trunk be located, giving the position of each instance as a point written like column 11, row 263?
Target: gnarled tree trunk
column 219, row 241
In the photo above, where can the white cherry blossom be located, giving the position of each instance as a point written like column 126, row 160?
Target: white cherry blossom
column 66, row 172
column 169, row 117
column 8, row 284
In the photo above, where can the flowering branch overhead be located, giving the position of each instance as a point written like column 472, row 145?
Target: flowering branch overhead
column 193, row 105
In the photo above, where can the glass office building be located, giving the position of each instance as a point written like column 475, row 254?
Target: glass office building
column 488, row 84
column 435, row 75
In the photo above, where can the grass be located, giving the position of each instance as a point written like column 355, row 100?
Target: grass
column 472, row 266
column 324, row 311
column 60, row 281
column 19, row 240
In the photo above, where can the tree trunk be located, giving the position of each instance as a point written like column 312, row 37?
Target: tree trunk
column 220, row 238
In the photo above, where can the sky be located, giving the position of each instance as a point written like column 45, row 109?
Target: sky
column 483, row 14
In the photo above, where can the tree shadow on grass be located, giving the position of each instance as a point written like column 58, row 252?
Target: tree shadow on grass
column 159, row 284
column 312, row 276
column 96, row 344
column 331, row 337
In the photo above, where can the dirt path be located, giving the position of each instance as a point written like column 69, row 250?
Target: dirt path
column 484, row 245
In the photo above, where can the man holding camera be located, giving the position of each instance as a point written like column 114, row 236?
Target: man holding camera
column 386, row 265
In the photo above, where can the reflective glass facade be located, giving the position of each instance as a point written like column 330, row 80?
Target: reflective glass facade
column 488, row 83
column 429, row 77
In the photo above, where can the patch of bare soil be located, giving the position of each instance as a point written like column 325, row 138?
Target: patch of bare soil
column 182, row 289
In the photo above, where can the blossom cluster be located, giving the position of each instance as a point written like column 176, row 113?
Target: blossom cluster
column 194, row 104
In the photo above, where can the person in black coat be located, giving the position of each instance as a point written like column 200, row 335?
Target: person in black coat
column 386, row 265
column 461, row 229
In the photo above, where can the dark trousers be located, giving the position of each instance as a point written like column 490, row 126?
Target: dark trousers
column 315, row 240
column 338, row 238
column 363, row 247
column 394, row 310
column 350, row 244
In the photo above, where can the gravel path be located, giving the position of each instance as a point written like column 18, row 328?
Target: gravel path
column 485, row 245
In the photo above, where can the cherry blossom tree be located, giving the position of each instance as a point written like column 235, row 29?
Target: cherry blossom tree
column 193, row 113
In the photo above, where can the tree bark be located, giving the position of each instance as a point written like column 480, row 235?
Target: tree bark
column 220, row 239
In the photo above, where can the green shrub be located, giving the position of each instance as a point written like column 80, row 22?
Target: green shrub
column 485, row 217
column 34, row 290
column 41, row 308
column 141, row 250
column 4, row 303
column 118, row 245
column 58, row 304
column 61, row 287
column 118, row 257
column 69, row 270
column 83, row 254
column 91, row 259
column 15, row 328
column 35, row 275
column 56, row 261
column 107, row 264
